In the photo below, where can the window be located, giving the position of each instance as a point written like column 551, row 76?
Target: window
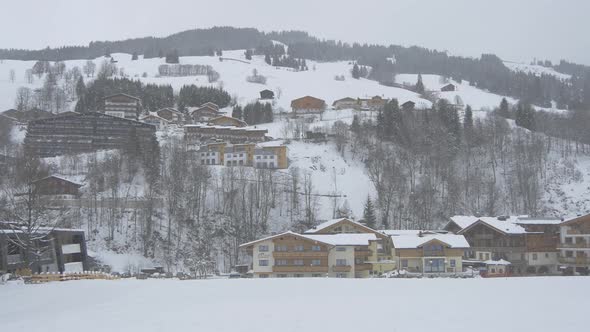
column 299, row 247
column 534, row 257
column 453, row 263
column 316, row 275
column 241, row 162
column 340, row 275
column 546, row 255
column 341, row 262
column 281, row 276
column 404, row 263
column 228, row 163
column 281, row 248
column 434, row 265
column 298, row 262
column 493, row 270
column 212, row 161
column 298, row 275
column 241, row 154
column 202, row 162
column 263, row 276
column 316, row 262
column 569, row 240
column 316, row 248
column 340, row 248
column 257, row 157
column 500, row 270
column 263, row 262
column 569, row 254
column 271, row 165
column 263, row 248
column 281, row 262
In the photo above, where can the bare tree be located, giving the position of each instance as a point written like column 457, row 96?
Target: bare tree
column 24, row 97
column 89, row 68
column 29, row 77
column 12, row 76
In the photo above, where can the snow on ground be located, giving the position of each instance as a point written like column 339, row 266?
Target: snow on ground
column 460, row 305
column 535, row 69
column 469, row 95
column 7, row 88
column 331, row 173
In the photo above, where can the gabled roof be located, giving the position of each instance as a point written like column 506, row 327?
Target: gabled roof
column 344, row 239
column 416, row 241
column 343, row 99
column 505, row 225
column 212, row 105
column 283, row 234
column 173, row 110
column 229, row 118
column 508, row 226
column 154, row 116
column 59, row 178
column 585, row 218
column 122, row 94
column 333, row 222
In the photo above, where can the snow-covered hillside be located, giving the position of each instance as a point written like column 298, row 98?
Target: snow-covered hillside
column 311, row 305
column 535, row 69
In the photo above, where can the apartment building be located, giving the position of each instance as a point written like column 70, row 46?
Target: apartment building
column 266, row 156
column 339, row 248
column 574, row 245
column 529, row 244
column 123, row 106
column 428, row 252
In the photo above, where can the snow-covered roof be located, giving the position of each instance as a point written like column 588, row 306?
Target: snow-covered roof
column 508, row 224
column 397, row 232
column 539, row 221
column 63, row 178
column 329, row 223
column 415, row 241
column 500, row 262
column 283, row 234
column 345, row 239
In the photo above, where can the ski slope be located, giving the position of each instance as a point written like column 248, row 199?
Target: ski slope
column 299, row 305
column 535, row 69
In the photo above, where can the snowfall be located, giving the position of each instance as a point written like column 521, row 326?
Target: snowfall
column 513, row 304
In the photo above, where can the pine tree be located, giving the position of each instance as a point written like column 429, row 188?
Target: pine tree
column 134, row 56
column 468, row 123
column 237, row 112
column 355, row 72
column 248, row 54
column 80, row 87
column 355, row 127
column 504, row 110
column 369, row 214
column 419, row 85
column 267, row 59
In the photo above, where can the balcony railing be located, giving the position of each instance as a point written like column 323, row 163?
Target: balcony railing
column 299, row 268
column 341, row 268
column 363, row 267
column 302, row 254
column 362, row 252
column 575, row 260
column 577, row 245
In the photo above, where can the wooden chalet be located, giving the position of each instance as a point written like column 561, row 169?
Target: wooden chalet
column 195, row 134
column 345, row 103
column 170, row 114
column 408, row 106
column 204, row 113
column 123, row 106
column 267, row 94
column 574, row 245
column 448, row 88
column 55, row 185
column 308, row 105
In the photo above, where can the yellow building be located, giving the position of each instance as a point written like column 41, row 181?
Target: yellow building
column 247, row 154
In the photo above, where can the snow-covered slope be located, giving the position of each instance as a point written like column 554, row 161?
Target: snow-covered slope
column 535, row 69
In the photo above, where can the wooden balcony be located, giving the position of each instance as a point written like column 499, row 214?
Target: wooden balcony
column 362, row 253
column 575, row 260
column 363, row 267
column 299, row 254
column 341, row 268
column 299, row 268
column 577, row 245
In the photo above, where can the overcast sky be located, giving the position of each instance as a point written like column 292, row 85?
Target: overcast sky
column 517, row 30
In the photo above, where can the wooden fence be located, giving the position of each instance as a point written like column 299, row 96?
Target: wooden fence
column 89, row 275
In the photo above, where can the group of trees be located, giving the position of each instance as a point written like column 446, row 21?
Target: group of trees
column 192, row 95
column 359, row 71
column 254, row 113
column 429, row 165
column 91, row 98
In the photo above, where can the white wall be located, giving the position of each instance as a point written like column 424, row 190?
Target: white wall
column 257, row 256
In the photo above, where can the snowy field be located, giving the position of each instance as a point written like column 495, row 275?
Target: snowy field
column 289, row 305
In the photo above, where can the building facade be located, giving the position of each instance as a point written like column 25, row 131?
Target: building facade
column 308, row 105
column 249, row 154
column 227, row 121
column 195, row 135
column 62, row 250
column 123, row 106
column 89, row 132
column 574, row 245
